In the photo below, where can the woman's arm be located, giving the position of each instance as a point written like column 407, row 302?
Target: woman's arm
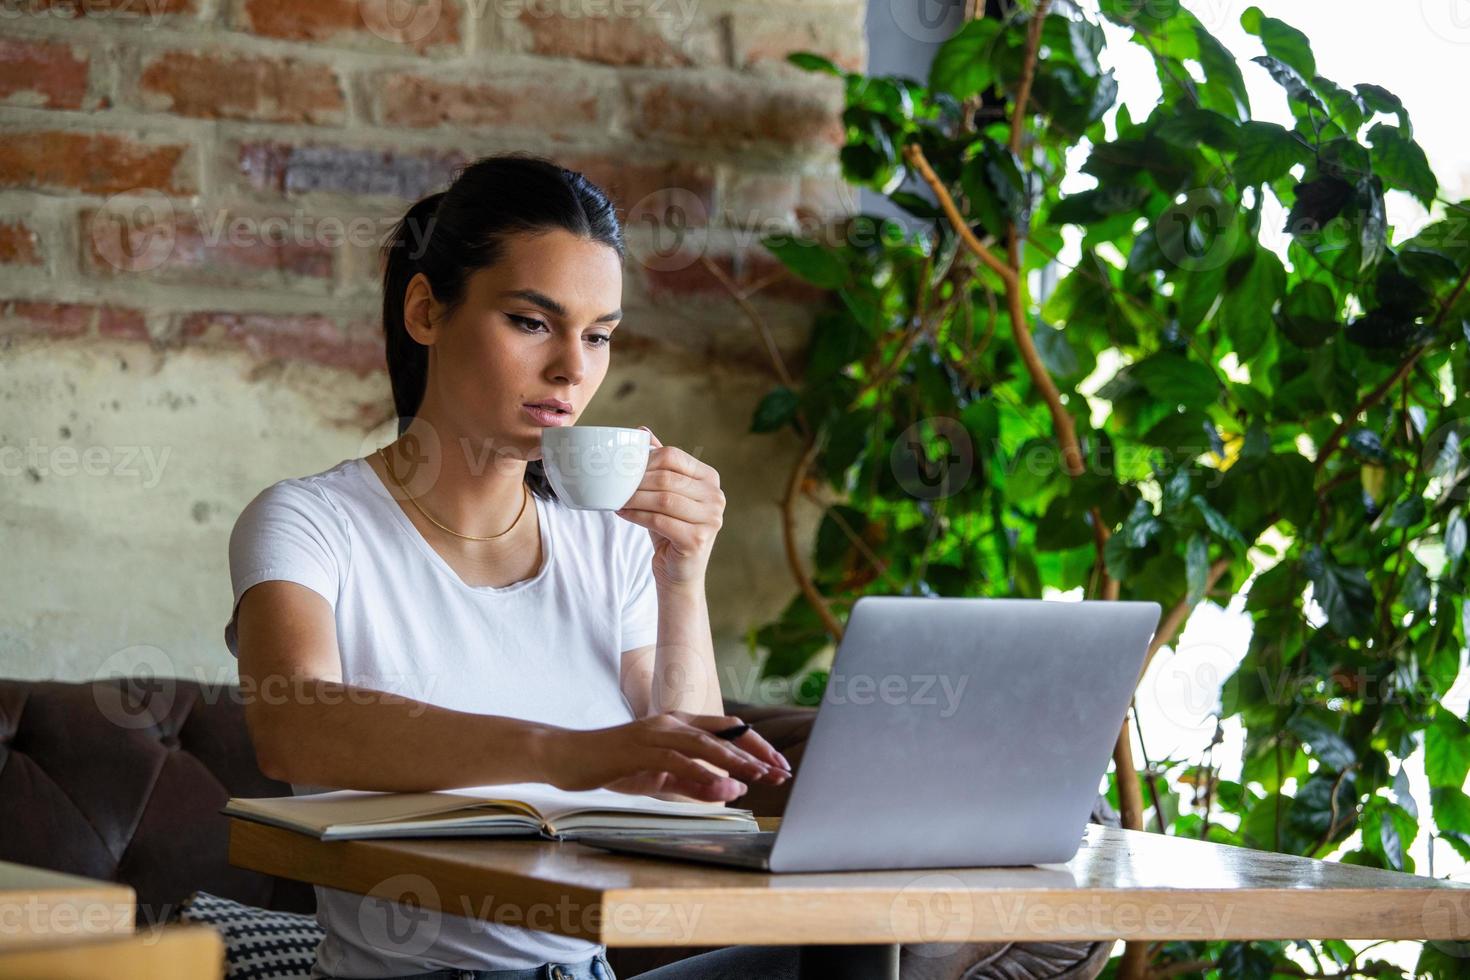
column 310, row 728
column 678, row 672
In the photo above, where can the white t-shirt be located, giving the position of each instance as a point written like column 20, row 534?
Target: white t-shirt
column 546, row 649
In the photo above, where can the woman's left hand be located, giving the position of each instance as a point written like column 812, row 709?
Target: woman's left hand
column 681, row 504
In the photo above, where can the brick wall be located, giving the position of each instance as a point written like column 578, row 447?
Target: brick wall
column 192, row 196
column 219, row 172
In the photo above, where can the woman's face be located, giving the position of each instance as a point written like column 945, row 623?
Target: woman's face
column 534, row 326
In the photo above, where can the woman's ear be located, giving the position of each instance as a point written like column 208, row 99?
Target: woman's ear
column 418, row 311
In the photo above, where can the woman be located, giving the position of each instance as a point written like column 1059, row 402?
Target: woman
column 431, row 616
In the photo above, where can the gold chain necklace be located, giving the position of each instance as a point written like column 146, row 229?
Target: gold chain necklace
column 525, row 496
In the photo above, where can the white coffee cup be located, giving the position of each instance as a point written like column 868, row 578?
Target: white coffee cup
column 594, row 467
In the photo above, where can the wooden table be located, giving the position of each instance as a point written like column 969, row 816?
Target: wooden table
column 174, row 952
column 56, row 926
column 1122, row 884
column 40, row 907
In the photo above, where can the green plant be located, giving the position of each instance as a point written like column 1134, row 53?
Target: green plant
column 1203, row 406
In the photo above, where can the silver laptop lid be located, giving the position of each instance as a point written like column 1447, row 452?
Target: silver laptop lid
column 960, row 732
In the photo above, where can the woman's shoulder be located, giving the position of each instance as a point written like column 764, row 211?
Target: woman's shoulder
column 315, row 498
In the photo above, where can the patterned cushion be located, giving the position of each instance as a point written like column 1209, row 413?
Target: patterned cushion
column 259, row 944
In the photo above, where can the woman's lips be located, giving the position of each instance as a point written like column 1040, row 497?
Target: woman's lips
column 546, row 416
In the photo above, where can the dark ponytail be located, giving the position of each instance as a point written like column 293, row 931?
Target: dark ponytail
column 450, row 235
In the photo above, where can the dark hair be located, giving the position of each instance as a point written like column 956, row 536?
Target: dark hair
column 451, row 234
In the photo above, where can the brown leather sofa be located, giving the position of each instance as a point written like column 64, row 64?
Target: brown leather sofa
column 123, row 779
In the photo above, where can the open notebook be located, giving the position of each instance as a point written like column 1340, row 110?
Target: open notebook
column 504, row 809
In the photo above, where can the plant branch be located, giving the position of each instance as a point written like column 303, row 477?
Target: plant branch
column 1028, row 75
column 788, row 537
column 741, row 297
column 1330, row 444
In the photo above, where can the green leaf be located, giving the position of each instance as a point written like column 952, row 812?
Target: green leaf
column 1192, row 127
column 1267, row 151
column 1196, row 567
column 776, row 409
column 1309, row 315
column 1379, row 99
column 1222, row 73
column 1446, row 749
column 1176, row 380
column 963, row 65
column 1217, row 522
column 1454, row 539
column 810, row 61
column 1451, row 808
column 1253, row 284
column 1283, row 42
column 1146, row 17
column 1343, row 593
column 1056, row 354
column 1099, row 204
column 1402, row 164
column 1327, row 743
column 809, row 260
column 791, row 640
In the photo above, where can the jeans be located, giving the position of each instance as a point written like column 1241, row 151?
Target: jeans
column 730, row 963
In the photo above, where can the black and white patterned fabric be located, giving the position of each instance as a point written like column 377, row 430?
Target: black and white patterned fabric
column 259, row 944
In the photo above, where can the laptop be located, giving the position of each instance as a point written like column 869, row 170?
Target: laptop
column 953, row 732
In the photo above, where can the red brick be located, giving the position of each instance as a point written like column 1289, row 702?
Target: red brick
column 633, row 184
column 314, row 167
column 617, row 40
column 19, row 317
column 216, row 246
column 215, row 85
column 754, row 200
column 433, row 25
column 764, row 40
column 18, row 242
column 548, row 106
column 674, row 280
column 46, row 74
column 722, row 116
column 356, row 345
column 122, row 324
column 95, row 163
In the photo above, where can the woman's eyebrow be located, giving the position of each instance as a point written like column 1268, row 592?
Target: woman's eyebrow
column 547, row 303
